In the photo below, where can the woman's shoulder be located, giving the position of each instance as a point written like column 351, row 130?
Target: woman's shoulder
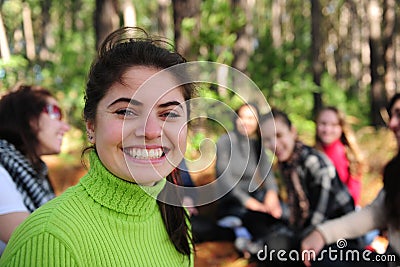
column 227, row 139
column 226, row 136
column 10, row 198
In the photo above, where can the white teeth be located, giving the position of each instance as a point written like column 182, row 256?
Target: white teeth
column 144, row 153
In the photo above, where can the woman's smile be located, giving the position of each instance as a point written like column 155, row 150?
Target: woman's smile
column 147, row 154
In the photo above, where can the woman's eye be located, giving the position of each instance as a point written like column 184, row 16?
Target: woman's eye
column 125, row 112
column 170, row 114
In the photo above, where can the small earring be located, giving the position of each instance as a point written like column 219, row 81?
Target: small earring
column 89, row 136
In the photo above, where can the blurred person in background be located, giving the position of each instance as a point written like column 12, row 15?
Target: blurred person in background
column 337, row 140
column 241, row 163
column 240, row 157
column 31, row 126
column 382, row 213
column 313, row 188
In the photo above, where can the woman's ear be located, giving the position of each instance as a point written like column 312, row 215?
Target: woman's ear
column 34, row 124
column 90, row 132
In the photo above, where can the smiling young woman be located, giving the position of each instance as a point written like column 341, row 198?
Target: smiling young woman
column 336, row 139
column 141, row 133
column 136, row 115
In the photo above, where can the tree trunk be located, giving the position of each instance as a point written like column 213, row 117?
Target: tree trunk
column 397, row 48
column 129, row 14
column 356, row 43
column 46, row 40
column 244, row 45
column 106, row 19
column 186, row 9
column 4, row 48
column 276, row 28
column 28, row 32
column 317, row 64
column 365, row 47
column 163, row 16
column 378, row 97
column 359, row 47
column 389, row 16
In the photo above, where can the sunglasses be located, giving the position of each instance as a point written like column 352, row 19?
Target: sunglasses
column 53, row 111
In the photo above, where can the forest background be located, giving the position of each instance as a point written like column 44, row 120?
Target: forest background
column 301, row 55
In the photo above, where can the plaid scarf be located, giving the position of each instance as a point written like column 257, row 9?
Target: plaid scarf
column 34, row 186
column 297, row 199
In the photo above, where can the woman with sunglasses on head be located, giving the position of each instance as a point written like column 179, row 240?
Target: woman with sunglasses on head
column 123, row 212
column 30, row 126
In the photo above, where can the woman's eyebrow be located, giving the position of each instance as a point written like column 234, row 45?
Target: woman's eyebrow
column 171, row 103
column 126, row 100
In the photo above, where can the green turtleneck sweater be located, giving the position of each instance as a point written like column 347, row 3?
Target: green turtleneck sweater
column 102, row 221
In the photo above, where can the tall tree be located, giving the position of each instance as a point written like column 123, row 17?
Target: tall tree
column 244, row 45
column 186, row 9
column 317, row 62
column 362, row 10
column 4, row 48
column 389, row 20
column 129, row 12
column 276, row 23
column 163, row 16
column 106, row 19
column 28, row 31
column 46, row 39
column 396, row 40
column 378, row 96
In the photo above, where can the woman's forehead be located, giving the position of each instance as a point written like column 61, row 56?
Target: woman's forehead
column 145, row 81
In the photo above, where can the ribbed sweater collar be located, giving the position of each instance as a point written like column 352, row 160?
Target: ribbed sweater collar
column 117, row 194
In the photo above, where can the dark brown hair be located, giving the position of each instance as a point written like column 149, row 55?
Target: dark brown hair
column 277, row 114
column 121, row 50
column 391, row 181
column 19, row 115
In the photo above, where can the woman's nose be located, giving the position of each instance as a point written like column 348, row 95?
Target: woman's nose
column 394, row 122
column 65, row 126
column 151, row 129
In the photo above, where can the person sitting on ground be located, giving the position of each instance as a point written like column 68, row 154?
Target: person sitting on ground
column 240, row 162
column 383, row 212
column 314, row 190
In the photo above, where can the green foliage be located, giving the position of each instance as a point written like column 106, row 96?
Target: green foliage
column 283, row 73
column 217, row 31
column 11, row 11
column 12, row 71
column 354, row 106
